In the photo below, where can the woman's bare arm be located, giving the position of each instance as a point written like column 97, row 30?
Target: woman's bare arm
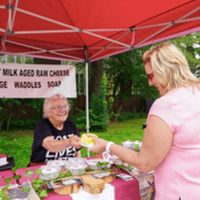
column 156, row 144
column 59, row 145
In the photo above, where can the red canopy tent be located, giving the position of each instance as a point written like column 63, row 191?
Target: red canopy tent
column 85, row 30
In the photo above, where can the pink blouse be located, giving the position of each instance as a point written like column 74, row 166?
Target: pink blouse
column 178, row 175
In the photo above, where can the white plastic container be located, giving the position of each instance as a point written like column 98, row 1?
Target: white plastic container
column 58, row 163
column 49, row 172
column 128, row 144
column 77, row 160
column 93, row 164
column 77, row 169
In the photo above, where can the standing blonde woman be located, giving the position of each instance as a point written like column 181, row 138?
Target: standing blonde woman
column 55, row 136
column 171, row 143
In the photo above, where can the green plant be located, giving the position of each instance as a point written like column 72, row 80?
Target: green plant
column 197, row 72
column 131, row 115
column 137, row 147
column 114, row 116
column 98, row 112
column 102, row 164
column 129, row 167
column 4, row 188
column 20, row 124
column 99, row 107
column 39, row 185
column 8, row 105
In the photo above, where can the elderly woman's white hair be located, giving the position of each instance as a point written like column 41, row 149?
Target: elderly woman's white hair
column 47, row 104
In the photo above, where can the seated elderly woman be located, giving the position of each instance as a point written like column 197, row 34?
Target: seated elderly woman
column 55, row 136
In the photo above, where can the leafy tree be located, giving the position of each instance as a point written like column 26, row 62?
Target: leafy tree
column 187, row 44
column 8, row 105
column 127, row 77
column 95, row 74
column 197, row 73
column 126, row 74
column 98, row 111
column 99, row 107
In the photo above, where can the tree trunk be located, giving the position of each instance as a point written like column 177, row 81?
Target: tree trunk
column 116, row 115
column 8, row 122
column 96, row 76
column 10, row 116
column 1, row 124
column 125, row 89
column 124, row 93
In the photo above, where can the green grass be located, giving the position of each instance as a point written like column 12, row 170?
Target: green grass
column 18, row 147
column 18, row 143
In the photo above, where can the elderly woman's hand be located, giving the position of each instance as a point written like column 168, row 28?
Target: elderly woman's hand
column 99, row 146
column 75, row 141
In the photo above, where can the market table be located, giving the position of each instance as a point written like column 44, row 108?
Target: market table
column 123, row 189
column 126, row 190
column 6, row 174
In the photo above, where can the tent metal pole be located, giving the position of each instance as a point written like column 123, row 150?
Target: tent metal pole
column 87, row 102
column 87, row 98
column 14, row 14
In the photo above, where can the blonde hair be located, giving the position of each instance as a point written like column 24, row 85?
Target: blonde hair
column 48, row 103
column 170, row 67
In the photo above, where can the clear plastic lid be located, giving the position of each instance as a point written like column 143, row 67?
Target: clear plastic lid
column 59, row 163
column 77, row 166
column 47, row 170
column 77, row 160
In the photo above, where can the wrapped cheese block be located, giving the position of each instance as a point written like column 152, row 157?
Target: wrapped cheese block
column 109, row 176
column 92, row 185
column 68, row 186
column 69, row 189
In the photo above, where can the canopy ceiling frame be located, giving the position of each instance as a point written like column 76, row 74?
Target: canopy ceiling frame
column 73, row 29
column 85, row 41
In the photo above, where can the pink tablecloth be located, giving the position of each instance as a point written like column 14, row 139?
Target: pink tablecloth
column 124, row 190
column 3, row 155
column 6, row 174
column 51, row 195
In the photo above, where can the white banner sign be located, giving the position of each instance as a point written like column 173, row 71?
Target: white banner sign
column 36, row 81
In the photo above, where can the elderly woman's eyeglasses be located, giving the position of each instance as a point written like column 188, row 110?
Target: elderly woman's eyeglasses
column 150, row 76
column 59, row 107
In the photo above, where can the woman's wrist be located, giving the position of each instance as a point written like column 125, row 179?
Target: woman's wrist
column 108, row 146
